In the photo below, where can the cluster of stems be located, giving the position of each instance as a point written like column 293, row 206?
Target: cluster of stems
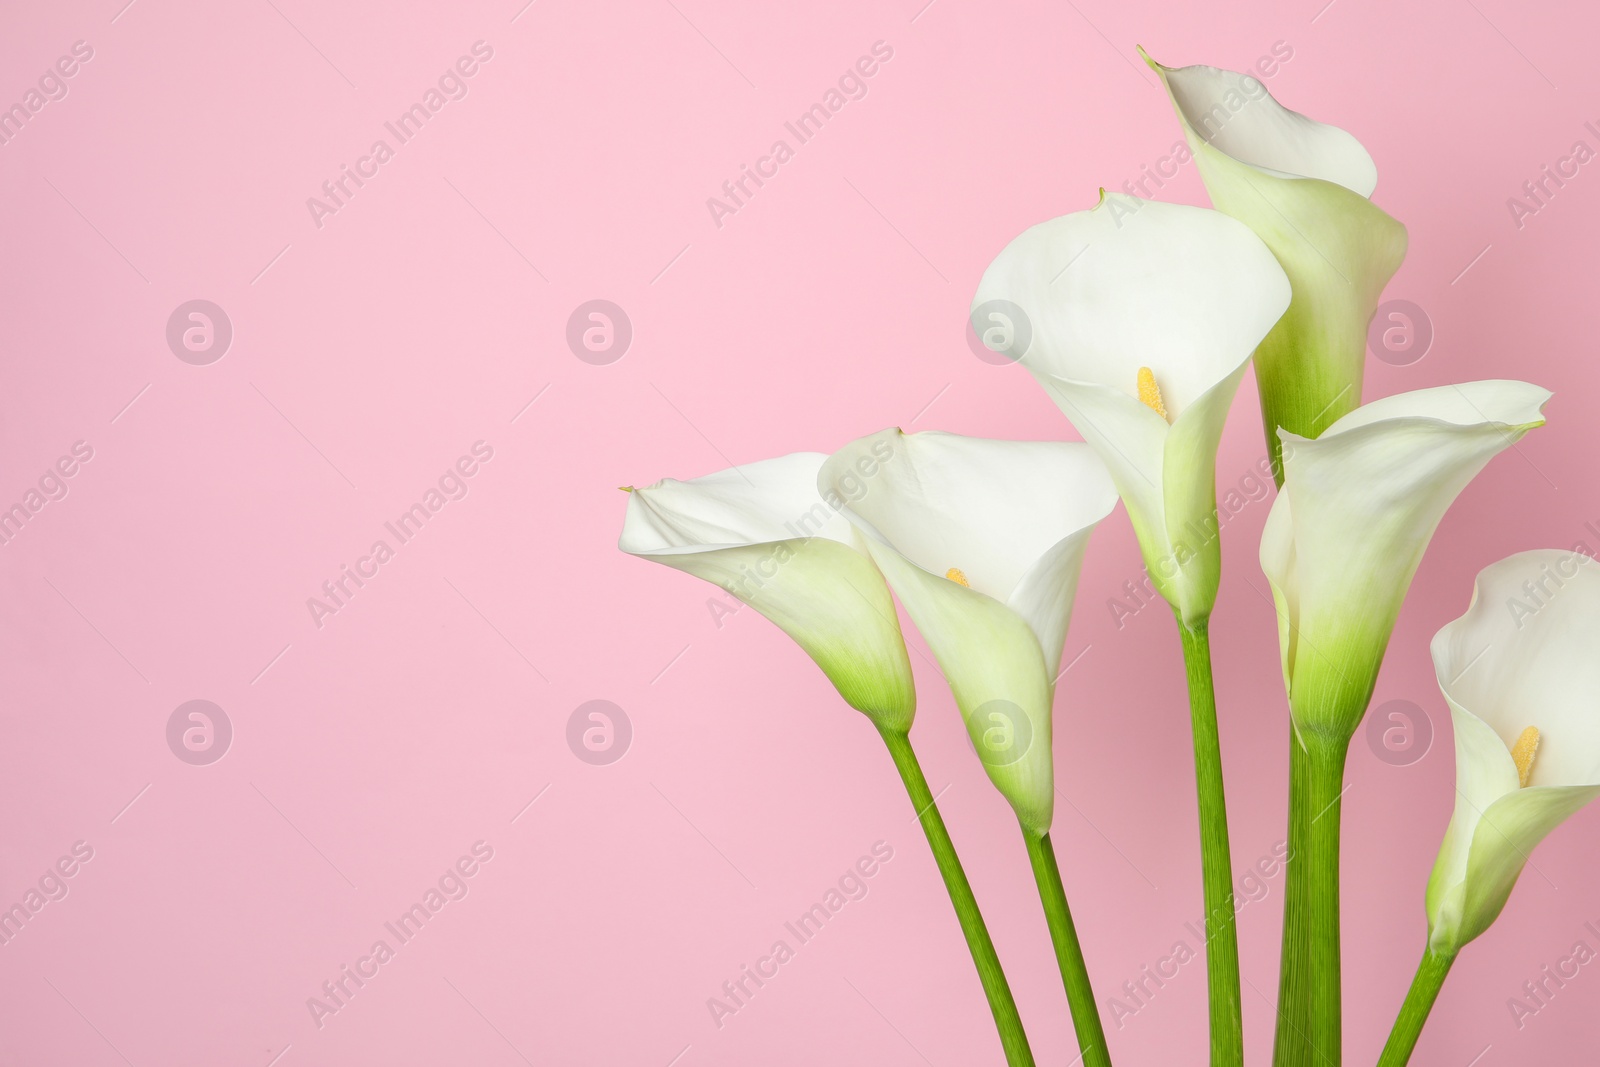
column 1222, row 944
column 1063, row 935
column 1309, row 1025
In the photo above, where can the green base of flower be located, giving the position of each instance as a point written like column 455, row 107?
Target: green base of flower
column 1012, row 1037
column 1069, row 954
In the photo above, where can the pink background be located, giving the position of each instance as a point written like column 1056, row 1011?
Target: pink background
column 368, row 354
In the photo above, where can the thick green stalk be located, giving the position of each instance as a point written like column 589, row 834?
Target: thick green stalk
column 1216, row 865
column 1408, row 1025
column 1012, row 1037
column 1309, row 1022
column 1069, row 954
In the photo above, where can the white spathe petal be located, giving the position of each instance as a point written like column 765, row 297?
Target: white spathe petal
column 1358, row 508
column 1468, row 404
column 1137, row 283
column 996, row 670
column 1522, row 655
column 991, row 509
column 1013, row 518
column 1043, row 598
column 1303, row 187
column 764, row 534
column 1184, row 291
column 1279, row 564
column 768, row 501
column 1235, row 113
column 1525, row 654
column 1130, row 439
column 1507, row 832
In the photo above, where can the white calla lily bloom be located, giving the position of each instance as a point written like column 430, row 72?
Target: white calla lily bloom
column 1520, row 674
column 983, row 541
column 1358, row 508
column 1140, row 319
column 1305, row 188
column 764, row 534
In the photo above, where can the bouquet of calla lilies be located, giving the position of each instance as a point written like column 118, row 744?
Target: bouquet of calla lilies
column 1139, row 319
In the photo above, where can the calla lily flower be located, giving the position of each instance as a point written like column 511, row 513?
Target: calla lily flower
column 764, row 535
column 1142, row 345
column 1523, row 684
column 982, row 541
column 1304, row 187
column 1358, row 507
column 1345, row 536
column 1521, row 677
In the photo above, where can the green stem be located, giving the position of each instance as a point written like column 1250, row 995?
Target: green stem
column 1012, row 1037
column 1309, row 1026
column 1222, row 940
column 1069, row 954
column 1408, row 1025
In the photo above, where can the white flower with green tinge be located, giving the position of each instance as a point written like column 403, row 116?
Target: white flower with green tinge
column 982, row 541
column 764, row 534
column 1304, row 187
column 1358, row 508
column 1142, row 317
column 1522, row 679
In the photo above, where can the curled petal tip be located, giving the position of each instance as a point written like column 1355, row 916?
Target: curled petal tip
column 817, row 588
column 1157, row 67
